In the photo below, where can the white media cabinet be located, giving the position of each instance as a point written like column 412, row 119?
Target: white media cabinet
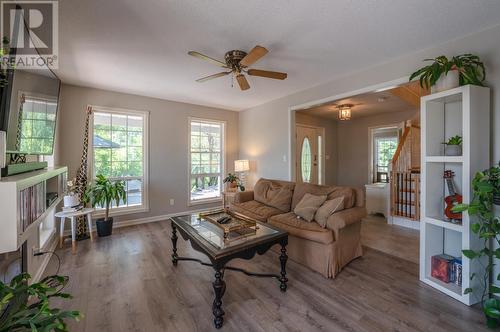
column 41, row 227
column 463, row 111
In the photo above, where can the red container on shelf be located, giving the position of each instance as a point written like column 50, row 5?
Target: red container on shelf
column 440, row 267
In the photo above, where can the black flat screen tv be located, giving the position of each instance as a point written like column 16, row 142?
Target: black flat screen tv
column 28, row 108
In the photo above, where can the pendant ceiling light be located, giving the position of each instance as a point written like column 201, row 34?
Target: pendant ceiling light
column 345, row 112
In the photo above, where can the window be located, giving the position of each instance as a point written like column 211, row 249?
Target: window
column 38, row 124
column 385, row 144
column 206, row 160
column 119, row 152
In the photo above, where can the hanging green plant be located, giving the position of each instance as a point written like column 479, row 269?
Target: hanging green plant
column 486, row 225
column 25, row 307
column 5, row 64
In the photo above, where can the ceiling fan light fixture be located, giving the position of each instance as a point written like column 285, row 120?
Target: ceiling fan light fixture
column 345, row 112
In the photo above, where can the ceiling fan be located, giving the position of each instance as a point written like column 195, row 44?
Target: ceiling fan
column 238, row 62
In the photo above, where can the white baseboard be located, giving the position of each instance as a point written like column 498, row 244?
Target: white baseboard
column 146, row 220
column 404, row 222
column 50, row 246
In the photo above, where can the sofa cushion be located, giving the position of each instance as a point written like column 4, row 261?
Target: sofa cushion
column 255, row 210
column 277, row 194
column 328, row 208
column 302, row 229
column 308, row 205
column 332, row 191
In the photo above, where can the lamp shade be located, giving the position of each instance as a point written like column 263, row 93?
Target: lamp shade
column 241, row 165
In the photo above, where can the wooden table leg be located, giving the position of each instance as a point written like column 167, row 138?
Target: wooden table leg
column 73, row 235
column 174, row 244
column 219, row 289
column 283, row 259
column 61, row 232
column 89, row 221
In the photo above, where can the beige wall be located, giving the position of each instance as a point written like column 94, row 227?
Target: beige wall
column 168, row 131
column 330, row 142
column 353, row 145
column 264, row 130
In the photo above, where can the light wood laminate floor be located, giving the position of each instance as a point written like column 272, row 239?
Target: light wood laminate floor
column 394, row 240
column 126, row 282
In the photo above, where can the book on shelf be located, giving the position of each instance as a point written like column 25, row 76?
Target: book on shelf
column 32, row 204
column 447, row 268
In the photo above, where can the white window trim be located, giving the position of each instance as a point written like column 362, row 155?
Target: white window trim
column 223, row 164
column 145, row 193
column 371, row 142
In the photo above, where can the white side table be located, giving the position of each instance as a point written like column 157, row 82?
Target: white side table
column 72, row 217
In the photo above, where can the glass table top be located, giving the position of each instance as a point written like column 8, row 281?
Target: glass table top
column 215, row 235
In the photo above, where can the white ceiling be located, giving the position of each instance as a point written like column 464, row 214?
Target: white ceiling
column 140, row 46
column 366, row 104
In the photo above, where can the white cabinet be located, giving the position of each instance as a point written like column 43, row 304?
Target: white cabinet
column 463, row 111
column 377, row 198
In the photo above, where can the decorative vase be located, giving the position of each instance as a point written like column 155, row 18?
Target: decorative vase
column 71, row 200
column 104, row 228
column 232, row 186
column 453, row 150
column 446, row 82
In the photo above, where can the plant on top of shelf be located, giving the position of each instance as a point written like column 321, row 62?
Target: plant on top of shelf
column 25, row 307
column 102, row 193
column 453, row 147
column 485, row 186
column 443, row 73
column 234, row 181
column 454, row 140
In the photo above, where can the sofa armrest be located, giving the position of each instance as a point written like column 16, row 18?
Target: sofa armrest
column 344, row 218
column 243, row 196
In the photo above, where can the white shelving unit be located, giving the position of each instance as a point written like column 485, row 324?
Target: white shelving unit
column 463, row 111
column 12, row 234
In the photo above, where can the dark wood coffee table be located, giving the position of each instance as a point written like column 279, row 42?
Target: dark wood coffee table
column 208, row 239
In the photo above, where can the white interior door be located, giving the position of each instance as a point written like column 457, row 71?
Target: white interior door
column 309, row 154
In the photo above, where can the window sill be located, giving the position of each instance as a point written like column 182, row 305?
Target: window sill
column 121, row 211
column 205, row 201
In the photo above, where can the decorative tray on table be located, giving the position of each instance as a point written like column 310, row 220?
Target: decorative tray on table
column 236, row 222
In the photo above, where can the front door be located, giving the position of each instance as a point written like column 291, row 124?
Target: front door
column 309, row 154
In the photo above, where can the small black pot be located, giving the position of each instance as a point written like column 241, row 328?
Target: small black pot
column 496, row 199
column 104, row 228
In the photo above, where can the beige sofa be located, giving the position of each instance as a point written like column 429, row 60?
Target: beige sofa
column 325, row 250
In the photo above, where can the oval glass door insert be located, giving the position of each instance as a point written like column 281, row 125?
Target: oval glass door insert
column 306, row 160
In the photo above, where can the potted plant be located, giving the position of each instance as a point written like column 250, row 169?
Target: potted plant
column 443, row 74
column 234, row 182
column 25, row 307
column 5, row 63
column 487, row 226
column 102, row 193
column 71, row 198
column 453, row 147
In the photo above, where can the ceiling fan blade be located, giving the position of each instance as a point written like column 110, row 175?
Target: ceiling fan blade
column 269, row 74
column 242, row 81
column 207, row 58
column 207, row 78
column 253, row 56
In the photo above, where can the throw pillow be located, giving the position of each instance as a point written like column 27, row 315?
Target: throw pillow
column 308, row 206
column 327, row 209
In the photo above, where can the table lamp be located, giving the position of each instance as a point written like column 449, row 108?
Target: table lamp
column 241, row 167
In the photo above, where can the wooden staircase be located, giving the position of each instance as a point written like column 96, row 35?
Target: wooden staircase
column 405, row 175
